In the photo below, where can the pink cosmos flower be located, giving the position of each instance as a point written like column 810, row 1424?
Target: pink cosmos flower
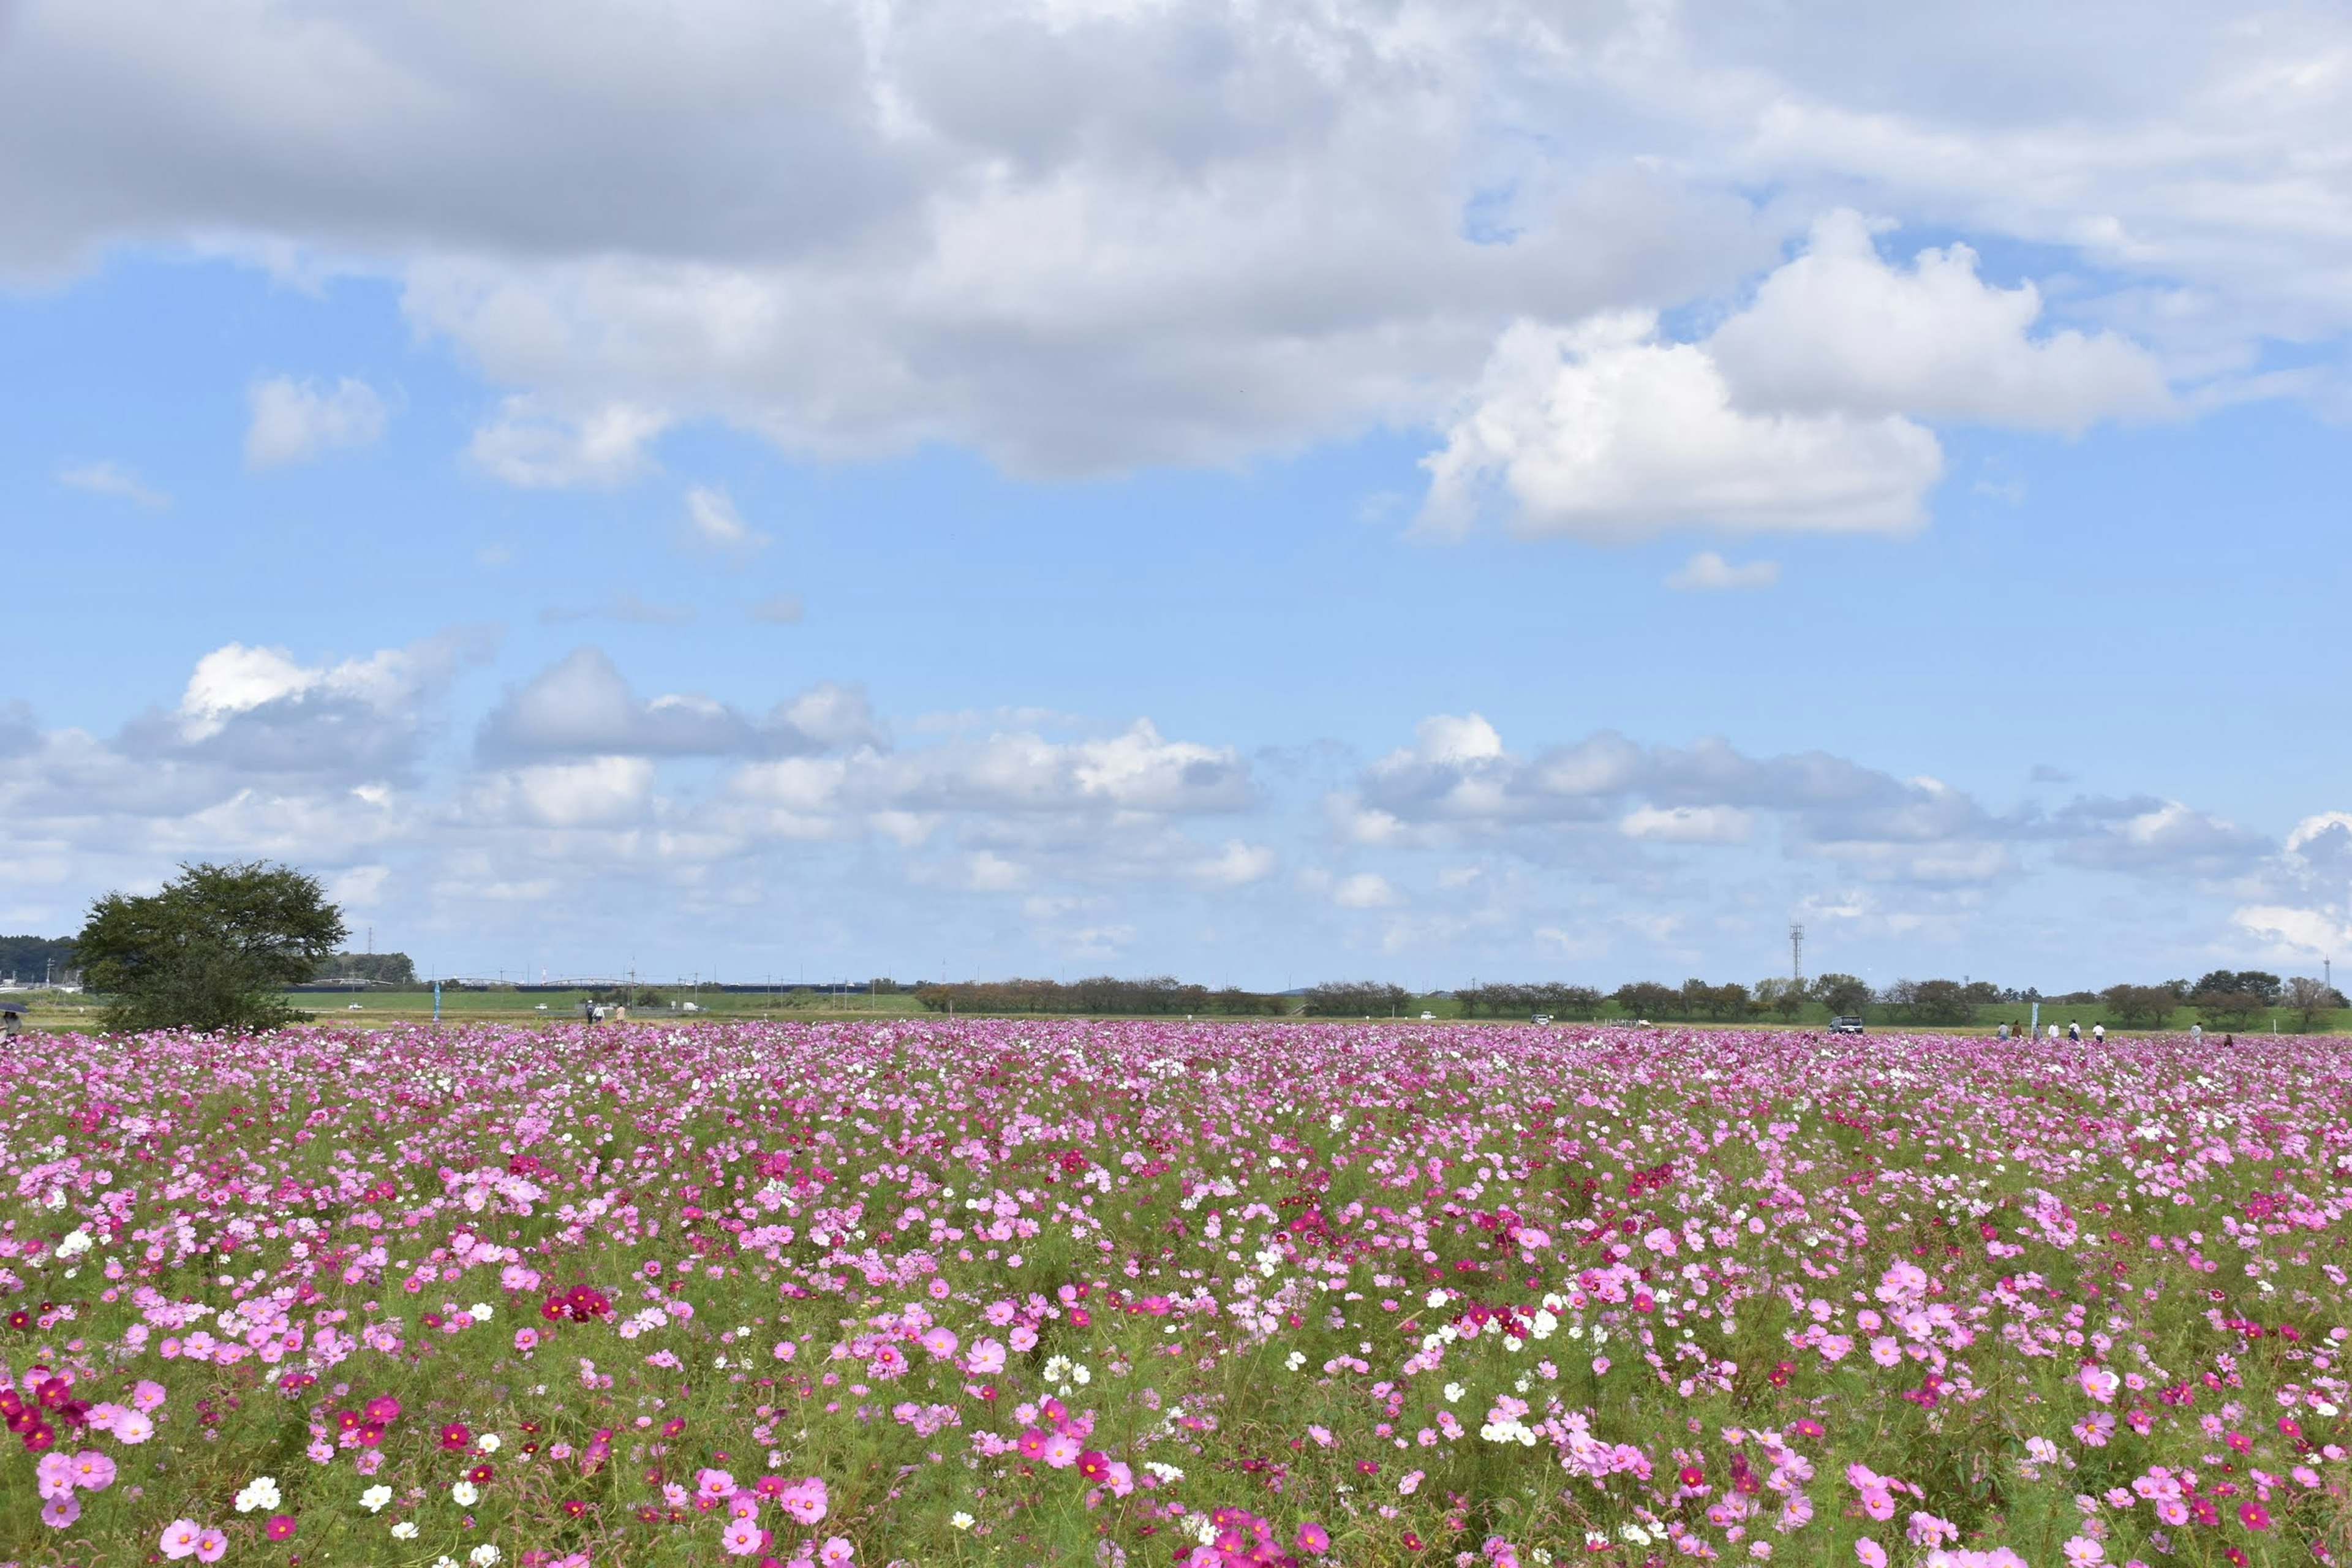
column 1062, row 1450
column 1872, row 1554
column 147, row 1395
column 211, row 1546
column 131, row 1427
column 835, row 1552
column 803, row 1500
column 92, row 1471
column 713, row 1485
column 62, row 1511
column 2081, row 1551
column 986, row 1359
column 1313, row 1538
column 743, row 1537
column 941, row 1342
column 53, row 1477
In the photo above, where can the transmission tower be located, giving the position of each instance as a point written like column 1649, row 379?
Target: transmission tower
column 1797, row 953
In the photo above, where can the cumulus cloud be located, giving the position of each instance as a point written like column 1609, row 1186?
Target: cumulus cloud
column 1363, row 890
column 1605, row 431
column 582, row 706
column 1708, row 572
column 1442, row 789
column 1839, row 330
column 294, row 420
column 1087, row 238
column 2143, row 834
column 111, row 478
column 529, row 445
column 2303, row 901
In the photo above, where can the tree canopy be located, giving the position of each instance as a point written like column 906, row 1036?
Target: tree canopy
column 215, row 949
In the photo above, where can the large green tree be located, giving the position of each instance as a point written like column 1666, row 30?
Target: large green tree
column 215, row 949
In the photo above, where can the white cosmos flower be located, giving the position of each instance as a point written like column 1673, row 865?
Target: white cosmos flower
column 374, row 1498
column 464, row 1495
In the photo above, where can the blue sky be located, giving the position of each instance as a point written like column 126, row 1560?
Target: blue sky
column 1246, row 492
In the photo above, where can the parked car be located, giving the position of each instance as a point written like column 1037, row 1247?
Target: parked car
column 1846, row 1026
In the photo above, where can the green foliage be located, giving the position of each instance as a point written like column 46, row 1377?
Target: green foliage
column 1928, row 1002
column 214, row 950
column 2140, row 1006
column 32, row 958
column 1551, row 998
column 2226, row 1009
column 1356, row 999
column 1647, row 999
column 2262, row 985
column 1845, row 995
column 382, row 968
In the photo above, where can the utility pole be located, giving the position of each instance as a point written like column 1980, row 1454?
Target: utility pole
column 1797, row 953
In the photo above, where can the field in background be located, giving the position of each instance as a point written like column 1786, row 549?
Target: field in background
column 80, row 1014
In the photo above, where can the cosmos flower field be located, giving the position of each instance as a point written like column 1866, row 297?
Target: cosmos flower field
column 1156, row 1293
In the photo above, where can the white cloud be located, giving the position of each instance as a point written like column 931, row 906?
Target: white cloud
column 111, row 478
column 2303, row 901
column 598, row 792
column 1688, row 825
column 1364, row 890
column 581, row 706
column 1236, row 864
column 1079, row 237
column 294, row 420
column 1643, row 857
column 1602, row 431
column 712, row 524
column 1838, row 329
column 535, row 448
column 1708, row 572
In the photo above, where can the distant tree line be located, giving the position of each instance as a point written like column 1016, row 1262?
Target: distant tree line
column 376, row 968
column 1101, row 994
column 35, row 958
column 1551, row 998
column 2225, row 999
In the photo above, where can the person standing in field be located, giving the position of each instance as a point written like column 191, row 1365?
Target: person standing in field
column 2002, row 1032
column 2053, row 1034
column 2197, row 1034
column 2099, row 1034
column 2074, row 1032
